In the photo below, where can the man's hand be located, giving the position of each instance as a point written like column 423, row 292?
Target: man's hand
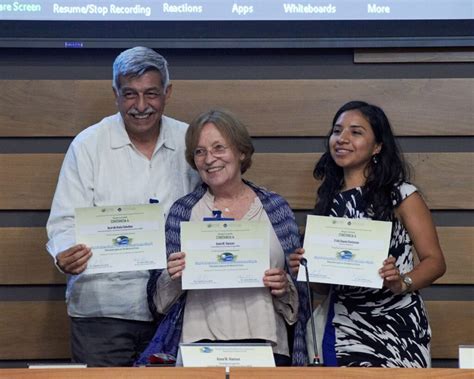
column 74, row 260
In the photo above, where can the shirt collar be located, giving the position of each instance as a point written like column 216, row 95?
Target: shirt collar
column 120, row 138
column 166, row 135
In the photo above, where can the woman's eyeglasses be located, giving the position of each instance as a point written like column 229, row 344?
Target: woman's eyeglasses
column 216, row 151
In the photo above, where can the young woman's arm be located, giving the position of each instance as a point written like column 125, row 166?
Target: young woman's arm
column 416, row 217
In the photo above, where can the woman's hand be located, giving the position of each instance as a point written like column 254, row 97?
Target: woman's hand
column 176, row 265
column 294, row 260
column 277, row 281
column 391, row 276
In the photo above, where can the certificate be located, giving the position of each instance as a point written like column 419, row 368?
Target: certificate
column 122, row 237
column 225, row 355
column 225, row 254
column 345, row 250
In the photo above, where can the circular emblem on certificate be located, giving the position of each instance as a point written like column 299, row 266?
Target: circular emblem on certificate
column 226, row 257
column 122, row 240
column 346, row 255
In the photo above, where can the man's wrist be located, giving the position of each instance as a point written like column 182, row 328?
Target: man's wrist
column 56, row 263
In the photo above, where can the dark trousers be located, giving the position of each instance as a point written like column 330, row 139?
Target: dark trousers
column 109, row 342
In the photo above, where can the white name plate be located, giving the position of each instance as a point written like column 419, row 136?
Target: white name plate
column 466, row 356
column 56, row 365
column 225, row 355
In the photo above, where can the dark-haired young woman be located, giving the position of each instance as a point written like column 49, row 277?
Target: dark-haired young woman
column 363, row 176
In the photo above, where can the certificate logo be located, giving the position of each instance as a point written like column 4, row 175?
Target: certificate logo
column 206, row 349
column 122, row 240
column 226, row 257
column 345, row 255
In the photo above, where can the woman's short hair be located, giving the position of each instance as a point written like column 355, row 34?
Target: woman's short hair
column 231, row 128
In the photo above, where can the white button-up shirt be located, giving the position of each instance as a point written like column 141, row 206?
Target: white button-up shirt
column 103, row 168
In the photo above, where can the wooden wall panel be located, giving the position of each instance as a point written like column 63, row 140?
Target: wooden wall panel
column 443, row 176
column 34, row 330
column 24, row 259
column 416, row 107
column 414, row 55
column 32, row 180
column 445, row 179
column 40, row 329
column 55, row 107
column 457, row 244
column 452, row 325
column 290, row 175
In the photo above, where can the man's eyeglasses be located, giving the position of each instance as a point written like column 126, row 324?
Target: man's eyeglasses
column 216, row 151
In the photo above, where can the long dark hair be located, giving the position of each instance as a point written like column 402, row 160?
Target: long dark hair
column 382, row 176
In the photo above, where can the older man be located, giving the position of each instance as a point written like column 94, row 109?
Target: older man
column 127, row 158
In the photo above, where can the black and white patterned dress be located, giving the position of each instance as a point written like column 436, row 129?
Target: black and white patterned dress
column 371, row 327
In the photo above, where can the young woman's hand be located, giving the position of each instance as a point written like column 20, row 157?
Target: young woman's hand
column 391, row 276
column 294, row 260
column 176, row 265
